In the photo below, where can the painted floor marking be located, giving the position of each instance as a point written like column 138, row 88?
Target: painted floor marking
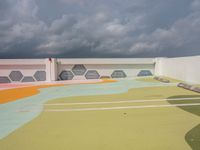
column 112, row 108
column 117, row 108
column 125, row 101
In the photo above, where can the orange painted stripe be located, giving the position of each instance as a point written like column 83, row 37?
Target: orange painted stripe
column 108, row 80
column 10, row 95
column 17, row 93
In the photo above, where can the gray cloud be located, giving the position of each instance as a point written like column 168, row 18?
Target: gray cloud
column 91, row 28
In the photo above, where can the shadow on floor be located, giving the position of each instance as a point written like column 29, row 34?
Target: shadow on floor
column 193, row 136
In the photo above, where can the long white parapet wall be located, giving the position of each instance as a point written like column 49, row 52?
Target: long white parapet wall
column 35, row 70
column 182, row 68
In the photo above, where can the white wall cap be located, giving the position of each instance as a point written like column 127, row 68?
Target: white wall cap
column 107, row 61
column 22, row 61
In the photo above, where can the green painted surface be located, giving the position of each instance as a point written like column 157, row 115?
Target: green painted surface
column 128, row 129
column 193, row 136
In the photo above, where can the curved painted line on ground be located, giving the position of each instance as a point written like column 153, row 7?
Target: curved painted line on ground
column 113, row 108
column 12, row 119
column 122, row 101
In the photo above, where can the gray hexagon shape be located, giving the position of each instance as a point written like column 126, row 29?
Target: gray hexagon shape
column 28, row 79
column 40, row 75
column 118, row 74
column 79, row 70
column 16, row 75
column 143, row 73
column 4, row 79
column 92, row 74
column 66, row 75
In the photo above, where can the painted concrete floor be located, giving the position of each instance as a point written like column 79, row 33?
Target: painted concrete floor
column 110, row 114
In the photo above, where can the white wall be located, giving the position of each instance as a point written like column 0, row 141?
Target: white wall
column 131, row 70
column 183, row 68
column 105, row 67
column 27, row 67
column 53, row 67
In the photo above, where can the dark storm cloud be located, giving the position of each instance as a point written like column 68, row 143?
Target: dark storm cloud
column 106, row 28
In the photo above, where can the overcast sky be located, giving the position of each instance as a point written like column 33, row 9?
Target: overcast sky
column 99, row 28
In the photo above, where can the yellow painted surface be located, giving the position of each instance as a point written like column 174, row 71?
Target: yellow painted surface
column 129, row 129
column 133, row 94
column 160, row 128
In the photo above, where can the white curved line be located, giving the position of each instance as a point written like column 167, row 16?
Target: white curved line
column 111, row 108
column 117, row 108
column 126, row 101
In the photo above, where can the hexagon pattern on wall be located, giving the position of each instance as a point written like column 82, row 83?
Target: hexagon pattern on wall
column 79, row 70
column 16, row 75
column 4, row 79
column 66, row 75
column 40, row 75
column 118, row 74
column 92, row 74
column 144, row 73
column 28, row 79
